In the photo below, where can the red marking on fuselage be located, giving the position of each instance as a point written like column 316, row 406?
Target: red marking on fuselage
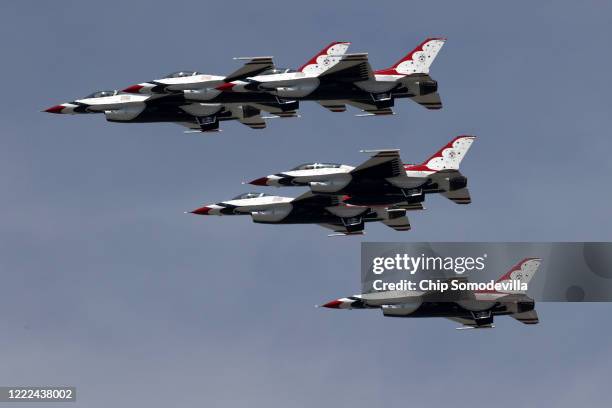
column 226, row 87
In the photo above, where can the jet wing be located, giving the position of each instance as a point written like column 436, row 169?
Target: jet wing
column 253, row 67
column 430, row 101
column 384, row 164
column 350, row 68
column 370, row 108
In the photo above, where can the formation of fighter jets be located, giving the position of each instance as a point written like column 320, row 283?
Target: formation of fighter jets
column 343, row 198
column 332, row 78
column 472, row 309
column 340, row 197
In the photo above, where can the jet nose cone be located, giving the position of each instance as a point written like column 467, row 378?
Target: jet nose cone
column 55, row 109
column 133, row 89
column 202, row 211
column 334, row 304
column 225, row 87
column 262, row 181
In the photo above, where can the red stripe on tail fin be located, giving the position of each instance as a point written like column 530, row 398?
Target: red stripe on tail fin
column 450, row 156
column 335, row 48
column 522, row 271
column 416, row 61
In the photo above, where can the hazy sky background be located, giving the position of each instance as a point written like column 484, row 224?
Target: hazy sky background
column 108, row 286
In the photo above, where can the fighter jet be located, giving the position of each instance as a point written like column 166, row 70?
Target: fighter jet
column 384, row 179
column 210, row 88
column 327, row 211
column 200, row 117
column 472, row 309
column 350, row 80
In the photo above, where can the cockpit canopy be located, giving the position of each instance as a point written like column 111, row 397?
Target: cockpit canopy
column 273, row 71
column 181, row 74
column 102, row 94
column 249, row 195
column 313, row 166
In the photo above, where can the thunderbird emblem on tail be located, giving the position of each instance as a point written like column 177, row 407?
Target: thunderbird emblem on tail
column 384, row 179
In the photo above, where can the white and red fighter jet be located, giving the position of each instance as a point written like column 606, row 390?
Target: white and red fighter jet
column 472, row 309
column 200, row 117
column 384, row 179
column 327, row 211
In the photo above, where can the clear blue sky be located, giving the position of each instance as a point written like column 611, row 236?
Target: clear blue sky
column 108, row 286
